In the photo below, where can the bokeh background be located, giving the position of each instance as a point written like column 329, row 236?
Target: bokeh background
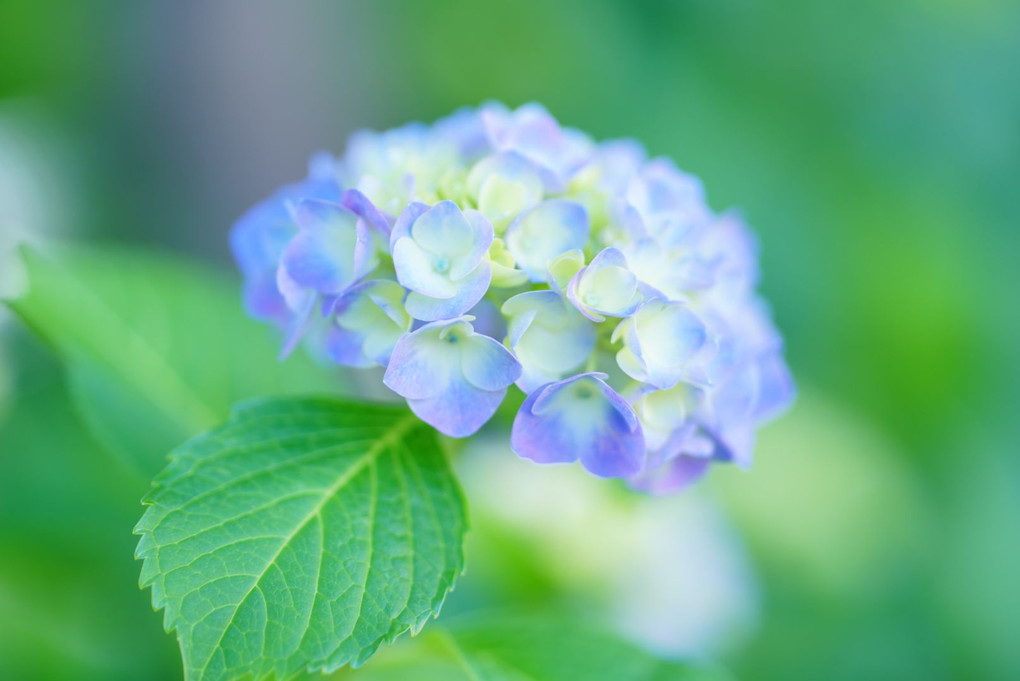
column 874, row 146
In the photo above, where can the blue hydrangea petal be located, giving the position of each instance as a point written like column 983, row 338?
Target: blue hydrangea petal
column 618, row 161
column 520, row 322
column 389, row 297
column 608, row 257
column 483, row 236
column 549, row 338
column 502, row 185
column 262, row 298
column 730, row 413
column 422, row 363
column 398, row 166
column 487, row 320
column 580, row 418
column 736, row 444
column 776, row 390
column 346, row 348
column 469, row 291
column 670, row 202
column 733, row 400
column 462, row 409
column 443, row 231
column 332, row 250
column 670, row 273
column 668, row 418
column 487, row 365
column 605, row 287
column 439, row 255
column 465, row 130
column 562, row 270
column 368, row 321
column 402, row 225
column 359, row 204
column 545, row 232
column 416, row 271
column 663, row 342
column 532, row 132
column 427, row 367
column 504, row 272
column 540, row 440
column 730, row 251
column 674, row 476
column 508, row 165
column 301, row 302
column 312, row 264
column 258, row 238
column 662, row 188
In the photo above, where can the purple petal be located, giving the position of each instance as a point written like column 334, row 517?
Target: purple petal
column 461, row 409
column 345, row 347
column 533, row 132
column 427, row 367
column 259, row 237
column 262, row 299
column 332, row 250
column 776, row 390
column 359, row 204
column 420, row 367
column 443, row 230
column 619, row 160
column 606, row 257
column 488, row 365
column 580, row 418
column 483, row 237
column 407, row 217
column 464, row 129
column 566, row 220
column 301, row 302
column 673, row 476
column 538, row 439
column 488, row 321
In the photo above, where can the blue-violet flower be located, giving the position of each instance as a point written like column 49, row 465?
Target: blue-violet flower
column 498, row 248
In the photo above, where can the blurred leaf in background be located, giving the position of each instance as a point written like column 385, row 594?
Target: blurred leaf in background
column 68, row 585
column 157, row 348
column 541, row 647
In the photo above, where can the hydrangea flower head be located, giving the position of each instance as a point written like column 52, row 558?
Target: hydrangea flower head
column 496, row 250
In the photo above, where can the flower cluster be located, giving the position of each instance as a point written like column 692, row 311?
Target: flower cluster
column 497, row 248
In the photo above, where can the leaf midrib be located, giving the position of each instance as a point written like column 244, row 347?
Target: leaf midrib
column 380, row 445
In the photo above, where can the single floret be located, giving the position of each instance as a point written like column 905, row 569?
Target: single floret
column 580, row 419
column 452, row 377
column 439, row 256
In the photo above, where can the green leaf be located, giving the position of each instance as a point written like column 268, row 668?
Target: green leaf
column 525, row 648
column 301, row 535
column 156, row 348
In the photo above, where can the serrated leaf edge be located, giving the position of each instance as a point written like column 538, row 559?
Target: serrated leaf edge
column 244, row 409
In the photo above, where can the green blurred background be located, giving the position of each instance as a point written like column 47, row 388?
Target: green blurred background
column 873, row 145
